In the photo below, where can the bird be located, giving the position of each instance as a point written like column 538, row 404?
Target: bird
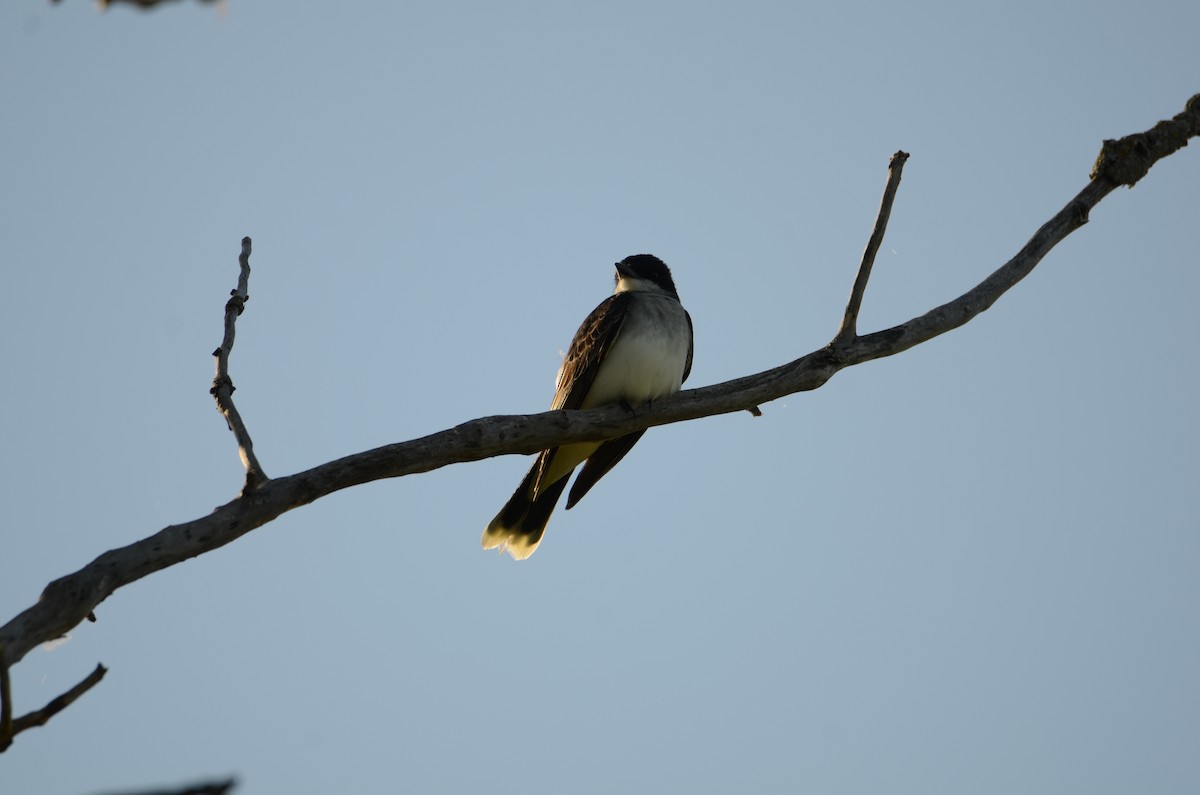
column 634, row 347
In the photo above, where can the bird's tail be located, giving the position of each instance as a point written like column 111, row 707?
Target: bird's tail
column 521, row 522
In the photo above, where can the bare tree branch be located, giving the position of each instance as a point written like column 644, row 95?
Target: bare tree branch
column 67, row 601
column 10, row 728
column 849, row 329
column 222, row 388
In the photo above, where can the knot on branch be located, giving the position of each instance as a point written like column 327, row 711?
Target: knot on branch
column 222, row 384
column 236, row 302
column 1126, row 160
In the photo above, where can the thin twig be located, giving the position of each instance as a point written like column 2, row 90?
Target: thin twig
column 849, row 329
column 222, row 388
column 40, row 717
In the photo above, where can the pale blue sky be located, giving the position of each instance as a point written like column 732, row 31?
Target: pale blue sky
column 969, row 568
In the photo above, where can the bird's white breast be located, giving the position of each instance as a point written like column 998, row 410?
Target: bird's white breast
column 648, row 358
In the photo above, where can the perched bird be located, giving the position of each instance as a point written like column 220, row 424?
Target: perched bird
column 634, row 347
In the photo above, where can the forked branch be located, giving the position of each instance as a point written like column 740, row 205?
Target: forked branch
column 10, row 727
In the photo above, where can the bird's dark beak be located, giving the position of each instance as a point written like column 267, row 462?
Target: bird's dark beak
column 623, row 270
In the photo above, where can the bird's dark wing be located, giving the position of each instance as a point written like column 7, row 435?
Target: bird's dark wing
column 597, row 466
column 593, row 340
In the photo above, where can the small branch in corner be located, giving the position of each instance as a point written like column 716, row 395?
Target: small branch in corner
column 10, row 728
column 222, row 388
column 849, row 329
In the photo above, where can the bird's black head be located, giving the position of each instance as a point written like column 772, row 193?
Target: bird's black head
column 645, row 272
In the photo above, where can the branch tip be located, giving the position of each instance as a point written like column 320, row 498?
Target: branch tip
column 1125, row 161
